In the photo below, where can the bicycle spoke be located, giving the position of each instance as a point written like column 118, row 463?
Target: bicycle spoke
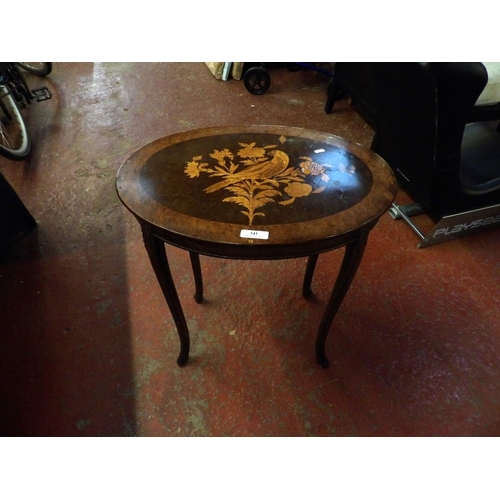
column 14, row 140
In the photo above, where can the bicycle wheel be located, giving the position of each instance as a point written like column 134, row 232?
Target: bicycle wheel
column 15, row 142
column 38, row 68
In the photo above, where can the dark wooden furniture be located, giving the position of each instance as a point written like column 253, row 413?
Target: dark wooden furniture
column 15, row 219
column 255, row 192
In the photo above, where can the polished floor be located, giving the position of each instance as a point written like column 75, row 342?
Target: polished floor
column 88, row 346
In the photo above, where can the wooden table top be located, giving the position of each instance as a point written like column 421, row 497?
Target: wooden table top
column 296, row 185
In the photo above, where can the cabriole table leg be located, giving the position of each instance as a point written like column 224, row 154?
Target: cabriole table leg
column 311, row 265
column 158, row 257
column 198, row 281
column 352, row 258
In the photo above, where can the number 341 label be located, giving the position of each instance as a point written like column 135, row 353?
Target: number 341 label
column 258, row 235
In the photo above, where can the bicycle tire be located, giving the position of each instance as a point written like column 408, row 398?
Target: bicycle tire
column 37, row 68
column 15, row 141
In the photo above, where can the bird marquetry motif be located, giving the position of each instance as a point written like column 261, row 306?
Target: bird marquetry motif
column 256, row 176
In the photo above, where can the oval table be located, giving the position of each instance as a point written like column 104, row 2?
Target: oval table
column 255, row 192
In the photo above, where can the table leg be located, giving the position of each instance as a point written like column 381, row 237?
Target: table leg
column 350, row 263
column 158, row 257
column 198, row 281
column 311, row 265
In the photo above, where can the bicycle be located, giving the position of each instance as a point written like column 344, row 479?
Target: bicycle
column 37, row 68
column 15, row 94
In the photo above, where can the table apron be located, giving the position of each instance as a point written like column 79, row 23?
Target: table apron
column 257, row 251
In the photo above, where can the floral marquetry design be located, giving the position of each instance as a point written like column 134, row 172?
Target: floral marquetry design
column 257, row 176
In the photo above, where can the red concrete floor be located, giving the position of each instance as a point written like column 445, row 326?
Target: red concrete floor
column 89, row 347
